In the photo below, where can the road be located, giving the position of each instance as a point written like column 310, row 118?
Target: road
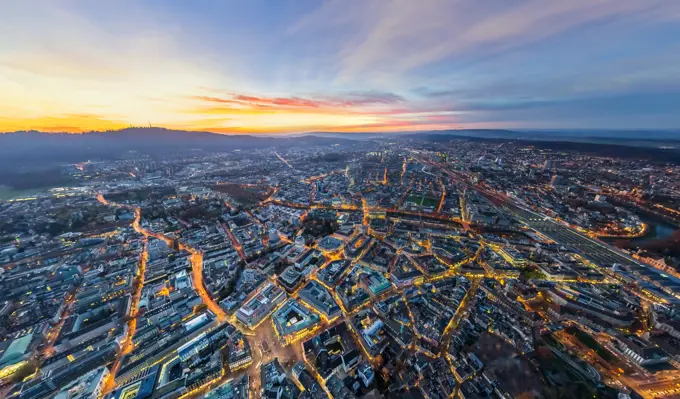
column 264, row 332
column 283, row 160
column 590, row 248
column 234, row 242
column 196, row 260
column 594, row 250
column 138, row 284
column 48, row 349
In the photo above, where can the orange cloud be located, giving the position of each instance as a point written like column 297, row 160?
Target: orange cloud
column 366, row 105
column 290, row 101
column 349, row 100
column 238, row 113
column 242, row 101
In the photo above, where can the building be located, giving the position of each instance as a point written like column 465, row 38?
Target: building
column 89, row 386
column 574, row 300
column 330, row 245
column 275, row 383
column 265, row 300
column 274, row 237
column 293, row 321
column 104, row 355
column 239, row 353
column 291, row 278
column 320, row 299
column 232, row 389
column 332, row 351
column 366, row 373
column 15, row 355
column 140, row 388
column 331, row 274
column 193, row 347
column 641, row 351
column 374, row 282
column 556, row 180
column 513, row 256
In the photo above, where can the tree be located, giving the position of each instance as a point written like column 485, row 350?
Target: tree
column 528, row 274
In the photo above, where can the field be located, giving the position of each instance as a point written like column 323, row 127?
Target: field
column 8, row 193
column 416, row 199
column 430, row 201
column 423, row 200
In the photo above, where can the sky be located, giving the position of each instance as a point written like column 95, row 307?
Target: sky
column 280, row 66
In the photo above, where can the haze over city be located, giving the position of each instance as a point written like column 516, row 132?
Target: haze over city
column 299, row 66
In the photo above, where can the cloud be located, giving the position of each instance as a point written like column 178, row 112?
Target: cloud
column 652, row 110
column 363, row 98
column 357, row 101
column 279, row 101
column 95, row 58
column 348, row 111
column 398, row 36
column 383, row 64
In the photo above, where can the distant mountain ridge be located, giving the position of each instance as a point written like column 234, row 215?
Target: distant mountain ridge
column 530, row 134
column 33, row 146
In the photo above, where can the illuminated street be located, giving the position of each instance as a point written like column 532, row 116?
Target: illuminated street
column 349, row 279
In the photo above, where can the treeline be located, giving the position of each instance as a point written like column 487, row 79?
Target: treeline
column 34, row 179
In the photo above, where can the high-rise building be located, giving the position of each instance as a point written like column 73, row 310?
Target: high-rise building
column 274, row 236
column 556, row 180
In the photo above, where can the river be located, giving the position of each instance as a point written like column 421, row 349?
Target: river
column 658, row 229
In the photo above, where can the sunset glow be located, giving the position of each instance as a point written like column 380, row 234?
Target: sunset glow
column 270, row 67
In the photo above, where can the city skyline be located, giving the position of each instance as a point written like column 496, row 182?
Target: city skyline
column 288, row 67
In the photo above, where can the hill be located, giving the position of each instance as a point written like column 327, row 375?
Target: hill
column 25, row 147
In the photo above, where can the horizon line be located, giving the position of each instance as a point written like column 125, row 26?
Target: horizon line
column 311, row 132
